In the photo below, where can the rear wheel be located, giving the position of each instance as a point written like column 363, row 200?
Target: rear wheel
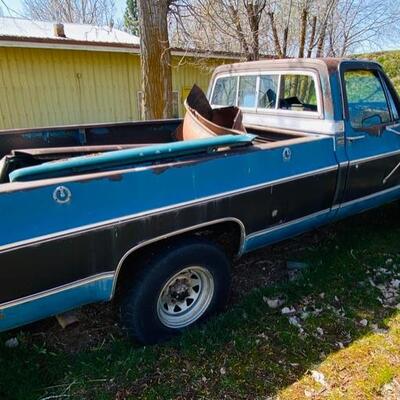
column 180, row 286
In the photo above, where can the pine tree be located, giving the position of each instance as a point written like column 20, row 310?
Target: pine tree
column 131, row 17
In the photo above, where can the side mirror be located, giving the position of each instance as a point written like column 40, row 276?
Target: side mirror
column 371, row 120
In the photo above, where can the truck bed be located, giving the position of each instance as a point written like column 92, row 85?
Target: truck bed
column 30, row 148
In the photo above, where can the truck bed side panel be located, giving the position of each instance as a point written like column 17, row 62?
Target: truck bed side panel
column 46, row 245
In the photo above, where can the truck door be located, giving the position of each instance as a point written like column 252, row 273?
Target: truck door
column 372, row 129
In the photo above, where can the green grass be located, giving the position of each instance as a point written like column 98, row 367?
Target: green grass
column 251, row 351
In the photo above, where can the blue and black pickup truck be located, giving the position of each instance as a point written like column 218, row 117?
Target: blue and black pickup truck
column 137, row 212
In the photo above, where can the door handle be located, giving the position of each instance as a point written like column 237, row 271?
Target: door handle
column 395, row 131
column 354, row 138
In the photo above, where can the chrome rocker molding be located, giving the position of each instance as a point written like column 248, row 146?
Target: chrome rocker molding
column 369, row 196
column 50, row 292
column 287, row 224
column 374, row 157
column 32, row 308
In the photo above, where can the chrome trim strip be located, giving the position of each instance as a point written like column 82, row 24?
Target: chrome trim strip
column 80, row 282
column 177, row 232
column 391, row 128
column 123, row 219
column 390, row 174
column 375, row 157
column 370, row 196
column 287, row 224
column 297, row 123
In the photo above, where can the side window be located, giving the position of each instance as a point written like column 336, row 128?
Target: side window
column 298, row 93
column 247, row 91
column 267, row 91
column 225, row 91
column 392, row 103
column 366, row 100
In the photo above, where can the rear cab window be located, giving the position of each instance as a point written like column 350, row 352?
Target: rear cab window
column 273, row 91
column 224, row 93
column 298, row 93
column 247, row 91
column 267, row 93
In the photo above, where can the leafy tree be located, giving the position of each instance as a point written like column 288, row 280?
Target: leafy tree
column 131, row 17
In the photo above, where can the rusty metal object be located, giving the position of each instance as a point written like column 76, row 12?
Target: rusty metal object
column 67, row 319
column 201, row 121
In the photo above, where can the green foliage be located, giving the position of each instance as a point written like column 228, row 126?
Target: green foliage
column 390, row 60
column 131, row 17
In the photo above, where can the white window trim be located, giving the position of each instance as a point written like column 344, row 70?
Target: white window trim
column 276, row 110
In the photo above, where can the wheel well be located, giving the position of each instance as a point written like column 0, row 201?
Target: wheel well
column 227, row 234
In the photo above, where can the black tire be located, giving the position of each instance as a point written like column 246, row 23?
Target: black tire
column 141, row 311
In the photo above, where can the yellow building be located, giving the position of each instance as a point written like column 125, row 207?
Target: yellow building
column 53, row 74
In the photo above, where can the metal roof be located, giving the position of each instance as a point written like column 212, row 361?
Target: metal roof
column 22, row 31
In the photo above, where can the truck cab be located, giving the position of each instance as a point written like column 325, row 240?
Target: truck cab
column 351, row 101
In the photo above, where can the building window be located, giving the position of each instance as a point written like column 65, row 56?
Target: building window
column 175, row 104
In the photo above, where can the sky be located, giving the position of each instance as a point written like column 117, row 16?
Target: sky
column 15, row 7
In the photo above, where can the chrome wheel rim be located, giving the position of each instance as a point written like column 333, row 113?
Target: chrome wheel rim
column 185, row 297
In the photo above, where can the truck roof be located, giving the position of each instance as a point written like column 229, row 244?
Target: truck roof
column 324, row 64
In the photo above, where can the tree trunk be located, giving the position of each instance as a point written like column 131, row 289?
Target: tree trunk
column 236, row 20
column 285, row 41
column 312, row 36
column 254, row 23
column 286, row 31
column 155, row 57
column 278, row 49
column 303, row 32
column 321, row 41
